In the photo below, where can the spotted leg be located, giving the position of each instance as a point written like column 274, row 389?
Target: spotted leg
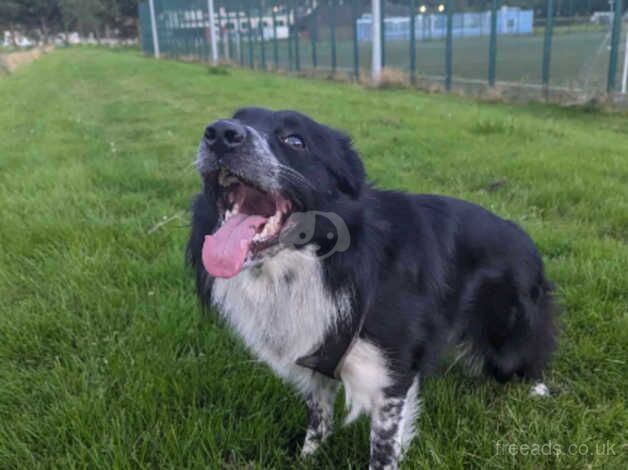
column 320, row 406
column 392, row 428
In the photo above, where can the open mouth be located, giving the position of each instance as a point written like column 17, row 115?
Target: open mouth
column 252, row 222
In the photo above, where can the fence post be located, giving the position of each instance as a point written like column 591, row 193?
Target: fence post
column 570, row 15
column 624, row 80
column 212, row 31
column 220, row 43
column 332, row 25
column 492, row 49
column 168, row 44
column 297, row 55
column 413, row 41
column 615, row 37
column 260, row 27
column 238, row 25
column 204, row 44
column 290, row 24
column 356, row 50
column 240, row 46
column 449, row 44
column 275, row 46
column 176, row 41
column 249, row 30
column 229, row 32
column 376, row 63
column 314, row 33
column 153, row 27
column 547, row 46
column 382, row 30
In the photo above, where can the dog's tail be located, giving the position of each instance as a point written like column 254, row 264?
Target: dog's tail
column 513, row 328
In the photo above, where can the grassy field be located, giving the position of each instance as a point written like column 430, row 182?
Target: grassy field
column 105, row 360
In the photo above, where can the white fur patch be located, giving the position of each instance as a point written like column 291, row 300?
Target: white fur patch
column 364, row 375
column 321, row 404
column 309, row 447
column 282, row 310
column 411, row 409
column 539, row 389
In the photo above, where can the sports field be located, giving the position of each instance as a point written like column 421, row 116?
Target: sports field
column 579, row 57
column 105, row 360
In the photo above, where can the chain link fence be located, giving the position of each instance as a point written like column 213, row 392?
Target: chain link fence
column 520, row 47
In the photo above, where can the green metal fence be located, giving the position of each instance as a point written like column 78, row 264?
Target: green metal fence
column 536, row 45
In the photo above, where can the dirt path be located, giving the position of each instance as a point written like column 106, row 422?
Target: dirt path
column 11, row 62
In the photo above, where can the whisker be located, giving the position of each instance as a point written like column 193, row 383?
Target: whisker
column 292, row 174
column 296, row 178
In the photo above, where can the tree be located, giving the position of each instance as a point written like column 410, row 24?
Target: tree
column 99, row 16
column 84, row 15
column 68, row 17
column 40, row 15
column 128, row 10
column 10, row 15
column 110, row 16
column 44, row 18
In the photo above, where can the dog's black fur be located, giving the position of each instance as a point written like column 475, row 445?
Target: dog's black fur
column 424, row 270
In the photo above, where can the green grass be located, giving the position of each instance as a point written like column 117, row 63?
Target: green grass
column 105, row 360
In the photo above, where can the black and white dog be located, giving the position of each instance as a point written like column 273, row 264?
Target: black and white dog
column 329, row 280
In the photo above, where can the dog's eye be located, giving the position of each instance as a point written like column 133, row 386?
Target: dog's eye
column 294, row 141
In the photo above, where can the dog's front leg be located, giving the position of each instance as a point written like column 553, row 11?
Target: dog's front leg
column 320, row 406
column 392, row 428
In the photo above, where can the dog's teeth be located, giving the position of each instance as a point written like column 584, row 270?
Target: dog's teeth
column 272, row 226
column 275, row 219
column 269, row 229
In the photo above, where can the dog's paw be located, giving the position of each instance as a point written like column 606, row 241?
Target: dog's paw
column 309, row 448
column 539, row 389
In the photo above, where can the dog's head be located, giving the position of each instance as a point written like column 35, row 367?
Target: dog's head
column 269, row 173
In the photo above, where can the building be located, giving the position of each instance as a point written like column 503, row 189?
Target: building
column 228, row 22
column 510, row 21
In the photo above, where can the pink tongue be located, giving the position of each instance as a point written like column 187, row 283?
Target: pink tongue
column 224, row 252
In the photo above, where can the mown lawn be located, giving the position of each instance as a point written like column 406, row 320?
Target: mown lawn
column 105, row 360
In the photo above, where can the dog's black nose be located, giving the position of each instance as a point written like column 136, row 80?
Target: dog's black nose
column 224, row 135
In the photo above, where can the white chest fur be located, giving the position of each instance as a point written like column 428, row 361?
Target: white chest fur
column 281, row 309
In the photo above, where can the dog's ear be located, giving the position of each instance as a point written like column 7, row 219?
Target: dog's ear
column 350, row 170
column 204, row 220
